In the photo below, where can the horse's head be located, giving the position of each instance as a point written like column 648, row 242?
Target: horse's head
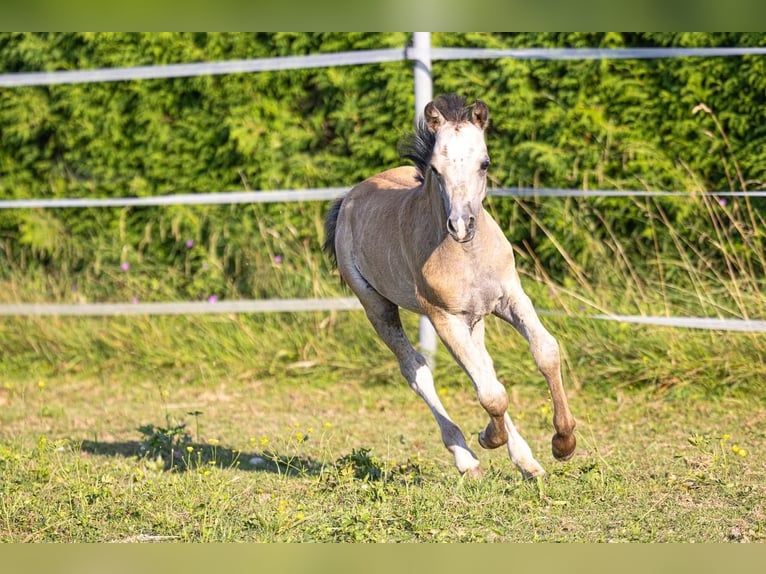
column 459, row 162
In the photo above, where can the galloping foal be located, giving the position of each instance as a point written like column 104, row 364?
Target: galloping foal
column 419, row 238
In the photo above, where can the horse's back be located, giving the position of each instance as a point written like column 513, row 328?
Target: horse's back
column 404, row 178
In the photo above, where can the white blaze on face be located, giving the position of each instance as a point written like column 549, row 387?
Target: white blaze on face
column 458, row 156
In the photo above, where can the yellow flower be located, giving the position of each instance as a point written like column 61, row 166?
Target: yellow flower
column 213, row 441
column 264, row 441
column 165, row 393
column 41, row 384
column 189, row 449
column 736, row 449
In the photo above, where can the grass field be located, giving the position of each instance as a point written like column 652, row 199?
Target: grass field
column 299, row 428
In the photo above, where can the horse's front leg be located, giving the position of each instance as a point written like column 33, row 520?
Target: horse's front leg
column 466, row 343
column 517, row 309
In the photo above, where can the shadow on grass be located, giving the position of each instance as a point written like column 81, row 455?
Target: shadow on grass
column 194, row 457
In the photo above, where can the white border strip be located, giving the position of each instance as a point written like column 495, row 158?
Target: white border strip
column 329, row 193
column 336, row 304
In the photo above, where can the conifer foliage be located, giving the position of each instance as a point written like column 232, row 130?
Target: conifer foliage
column 684, row 124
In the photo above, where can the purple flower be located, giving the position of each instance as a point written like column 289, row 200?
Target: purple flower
column 189, row 243
column 125, row 266
column 278, row 259
column 212, row 299
column 134, row 300
column 722, row 201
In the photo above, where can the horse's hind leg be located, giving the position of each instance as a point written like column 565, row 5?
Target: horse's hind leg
column 384, row 316
column 517, row 309
column 414, row 368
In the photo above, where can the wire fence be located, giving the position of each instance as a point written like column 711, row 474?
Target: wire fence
column 334, row 304
column 362, row 57
column 357, row 58
column 329, row 193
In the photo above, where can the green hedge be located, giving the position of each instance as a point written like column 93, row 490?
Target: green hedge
column 629, row 124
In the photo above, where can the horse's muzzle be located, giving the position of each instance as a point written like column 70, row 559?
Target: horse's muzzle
column 461, row 229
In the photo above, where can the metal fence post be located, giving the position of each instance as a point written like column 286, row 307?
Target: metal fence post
column 421, row 55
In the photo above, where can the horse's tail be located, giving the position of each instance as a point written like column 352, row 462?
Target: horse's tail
column 330, row 225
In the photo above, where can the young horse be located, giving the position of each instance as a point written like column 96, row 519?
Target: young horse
column 419, row 238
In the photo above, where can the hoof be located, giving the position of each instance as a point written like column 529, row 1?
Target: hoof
column 474, row 473
column 537, row 473
column 563, row 447
column 492, row 443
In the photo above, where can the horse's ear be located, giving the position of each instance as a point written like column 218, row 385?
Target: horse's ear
column 480, row 115
column 434, row 118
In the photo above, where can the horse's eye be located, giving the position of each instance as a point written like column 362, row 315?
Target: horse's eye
column 434, row 170
column 485, row 165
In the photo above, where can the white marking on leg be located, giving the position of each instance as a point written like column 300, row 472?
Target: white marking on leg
column 452, row 436
column 520, row 453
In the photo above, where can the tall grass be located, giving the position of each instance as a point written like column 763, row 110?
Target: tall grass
column 714, row 267
column 691, row 256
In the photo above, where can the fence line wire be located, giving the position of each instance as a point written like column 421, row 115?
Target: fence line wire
column 590, row 53
column 354, row 58
column 178, row 308
column 211, row 198
column 328, row 193
column 330, row 304
column 202, row 68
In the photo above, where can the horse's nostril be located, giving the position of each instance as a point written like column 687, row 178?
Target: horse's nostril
column 471, row 223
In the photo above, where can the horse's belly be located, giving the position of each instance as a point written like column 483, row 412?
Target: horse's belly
column 391, row 279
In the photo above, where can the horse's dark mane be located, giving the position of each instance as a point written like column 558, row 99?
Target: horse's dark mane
column 419, row 146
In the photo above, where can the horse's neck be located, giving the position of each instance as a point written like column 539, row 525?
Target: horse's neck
column 431, row 196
